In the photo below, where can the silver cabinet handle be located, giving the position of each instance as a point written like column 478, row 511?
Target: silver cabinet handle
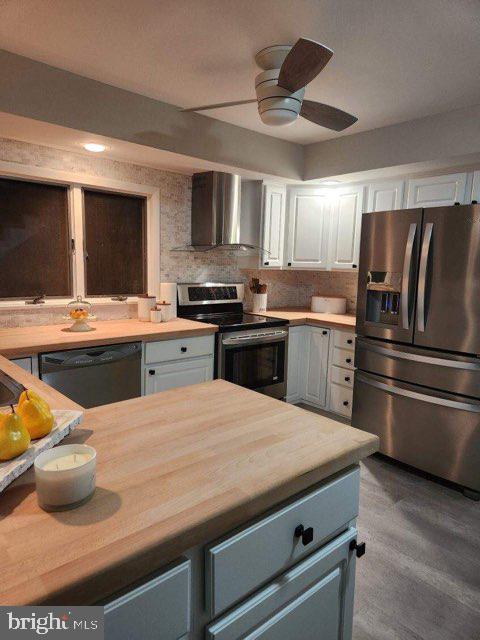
column 422, row 277
column 423, row 397
column 407, row 263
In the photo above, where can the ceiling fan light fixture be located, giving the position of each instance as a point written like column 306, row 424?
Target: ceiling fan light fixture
column 278, row 117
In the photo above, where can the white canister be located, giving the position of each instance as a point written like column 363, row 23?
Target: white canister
column 329, row 304
column 65, row 476
column 156, row 315
column 259, row 302
column 167, row 310
column 145, row 305
column 168, row 293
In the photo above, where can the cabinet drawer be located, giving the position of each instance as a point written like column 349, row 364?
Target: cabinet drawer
column 341, row 400
column 341, row 376
column 178, row 349
column 318, row 589
column 343, row 358
column 159, row 608
column 251, row 557
column 344, row 339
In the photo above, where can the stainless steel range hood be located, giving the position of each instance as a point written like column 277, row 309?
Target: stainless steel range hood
column 226, row 213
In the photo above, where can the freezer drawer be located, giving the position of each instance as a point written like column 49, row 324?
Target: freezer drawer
column 451, row 373
column 433, row 431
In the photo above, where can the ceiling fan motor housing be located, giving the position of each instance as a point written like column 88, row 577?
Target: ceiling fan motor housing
column 276, row 106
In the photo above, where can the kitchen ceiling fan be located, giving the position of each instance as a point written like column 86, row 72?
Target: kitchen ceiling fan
column 280, row 87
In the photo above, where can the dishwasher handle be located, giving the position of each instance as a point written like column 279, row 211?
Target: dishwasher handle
column 60, row 361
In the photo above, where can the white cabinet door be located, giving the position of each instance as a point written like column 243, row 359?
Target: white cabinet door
column 273, row 225
column 385, row 196
column 171, row 375
column 437, row 191
column 296, row 364
column 345, row 226
column 317, row 366
column 308, row 227
column 476, row 186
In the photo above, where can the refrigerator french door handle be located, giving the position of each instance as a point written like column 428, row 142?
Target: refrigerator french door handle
column 407, row 263
column 422, row 276
column 398, row 391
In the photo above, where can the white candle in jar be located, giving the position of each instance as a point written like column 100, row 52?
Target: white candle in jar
column 65, row 476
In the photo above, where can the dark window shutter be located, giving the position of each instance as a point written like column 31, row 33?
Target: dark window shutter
column 35, row 254
column 115, row 242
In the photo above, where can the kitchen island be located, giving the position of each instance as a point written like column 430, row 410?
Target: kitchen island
column 176, row 471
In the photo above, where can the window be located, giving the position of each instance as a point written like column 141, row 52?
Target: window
column 35, row 242
column 63, row 235
column 115, row 244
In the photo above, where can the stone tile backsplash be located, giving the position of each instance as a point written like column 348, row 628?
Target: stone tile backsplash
column 285, row 288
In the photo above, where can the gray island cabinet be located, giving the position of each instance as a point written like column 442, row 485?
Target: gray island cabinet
column 288, row 574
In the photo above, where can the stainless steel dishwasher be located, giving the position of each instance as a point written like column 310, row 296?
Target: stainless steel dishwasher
column 95, row 376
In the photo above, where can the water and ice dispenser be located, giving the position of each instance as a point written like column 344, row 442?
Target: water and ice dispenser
column 384, row 290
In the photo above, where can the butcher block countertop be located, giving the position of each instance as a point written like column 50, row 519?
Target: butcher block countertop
column 21, row 341
column 297, row 317
column 175, row 469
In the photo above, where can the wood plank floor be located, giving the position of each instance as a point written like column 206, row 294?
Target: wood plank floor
column 420, row 577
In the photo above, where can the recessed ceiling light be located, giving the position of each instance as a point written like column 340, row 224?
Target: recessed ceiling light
column 331, row 183
column 94, row 147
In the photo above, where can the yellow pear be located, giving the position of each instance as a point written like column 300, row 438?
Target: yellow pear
column 36, row 415
column 14, row 436
column 32, row 395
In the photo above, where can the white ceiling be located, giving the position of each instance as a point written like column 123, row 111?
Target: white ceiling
column 394, row 60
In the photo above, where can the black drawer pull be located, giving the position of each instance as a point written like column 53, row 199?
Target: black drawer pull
column 347, row 378
column 305, row 534
column 324, row 333
column 266, row 264
column 183, row 349
column 345, row 403
column 349, row 341
column 151, row 372
column 348, row 360
column 359, row 548
column 289, row 264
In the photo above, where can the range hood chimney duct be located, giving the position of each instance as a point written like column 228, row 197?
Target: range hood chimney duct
column 221, row 217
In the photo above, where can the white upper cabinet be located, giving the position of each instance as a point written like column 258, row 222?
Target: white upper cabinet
column 345, row 226
column 308, row 228
column 273, row 225
column 438, row 191
column 385, row 196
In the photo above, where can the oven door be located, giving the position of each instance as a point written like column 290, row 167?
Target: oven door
column 256, row 360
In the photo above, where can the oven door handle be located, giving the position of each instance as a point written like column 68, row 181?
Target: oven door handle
column 423, row 397
column 278, row 336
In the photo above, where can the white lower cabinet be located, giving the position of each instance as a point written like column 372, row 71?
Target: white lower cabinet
column 267, row 581
column 158, row 608
column 297, row 343
column 170, row 375
column 318, row 341
column 177, row 363
column 270, row 579
column 312, row 601
column 320, row 368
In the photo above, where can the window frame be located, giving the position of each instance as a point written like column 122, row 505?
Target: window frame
column 75, row 184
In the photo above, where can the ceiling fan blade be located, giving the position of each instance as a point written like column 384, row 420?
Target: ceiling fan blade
column 218, row 106
column 303, row 63
column 327, row 116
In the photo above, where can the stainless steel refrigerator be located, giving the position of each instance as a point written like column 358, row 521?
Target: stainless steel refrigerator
column 417, row 378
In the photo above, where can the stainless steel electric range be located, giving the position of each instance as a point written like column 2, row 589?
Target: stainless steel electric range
column 250, row 350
